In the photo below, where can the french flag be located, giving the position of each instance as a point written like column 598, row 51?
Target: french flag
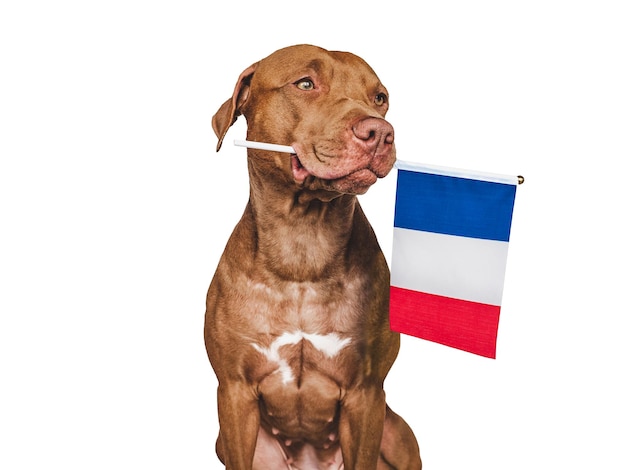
column 450, row 245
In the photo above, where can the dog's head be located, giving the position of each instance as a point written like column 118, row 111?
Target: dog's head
column 329, row 106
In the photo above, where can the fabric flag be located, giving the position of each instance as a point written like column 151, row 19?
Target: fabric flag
column 451, row 236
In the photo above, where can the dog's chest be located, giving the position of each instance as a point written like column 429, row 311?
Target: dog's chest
column 293, row 353
column 302, row 328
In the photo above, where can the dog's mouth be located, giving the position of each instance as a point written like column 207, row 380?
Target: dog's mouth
column 300, row 173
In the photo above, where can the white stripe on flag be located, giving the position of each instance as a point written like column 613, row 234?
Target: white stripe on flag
column 448, row 265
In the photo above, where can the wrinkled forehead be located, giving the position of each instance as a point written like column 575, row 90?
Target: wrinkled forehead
column 288, row 65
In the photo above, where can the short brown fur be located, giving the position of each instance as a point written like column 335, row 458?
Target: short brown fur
column 297, row 313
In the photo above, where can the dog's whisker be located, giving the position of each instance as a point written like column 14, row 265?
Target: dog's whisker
column 265, row 146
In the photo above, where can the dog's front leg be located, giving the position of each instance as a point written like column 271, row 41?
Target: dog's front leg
column 361, row 419
column 239, row 418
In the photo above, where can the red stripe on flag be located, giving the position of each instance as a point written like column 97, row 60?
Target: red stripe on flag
column 469, row 326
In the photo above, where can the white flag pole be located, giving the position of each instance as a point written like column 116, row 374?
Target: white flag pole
column 264, row 146
column 458, row 172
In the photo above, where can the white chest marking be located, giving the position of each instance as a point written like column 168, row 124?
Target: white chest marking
column 330, row 345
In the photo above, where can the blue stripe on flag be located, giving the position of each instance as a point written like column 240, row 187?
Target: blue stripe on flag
column 454, row 206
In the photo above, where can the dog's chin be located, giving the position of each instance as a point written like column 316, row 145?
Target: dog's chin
column 354, row 183
column 357, row 182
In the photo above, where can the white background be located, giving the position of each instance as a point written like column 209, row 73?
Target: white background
column 114, row 210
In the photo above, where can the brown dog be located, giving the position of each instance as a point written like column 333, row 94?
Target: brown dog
column 297, row 314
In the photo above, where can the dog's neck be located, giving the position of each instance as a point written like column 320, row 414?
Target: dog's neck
column 302, row 234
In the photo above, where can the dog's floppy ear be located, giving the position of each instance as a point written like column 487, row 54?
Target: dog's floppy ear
column 231, row 109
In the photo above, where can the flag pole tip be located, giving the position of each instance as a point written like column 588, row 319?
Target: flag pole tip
column 520, row 179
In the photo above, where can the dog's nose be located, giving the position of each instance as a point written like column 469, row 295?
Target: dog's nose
column 375, row 133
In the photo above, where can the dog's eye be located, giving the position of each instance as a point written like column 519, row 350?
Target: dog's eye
column 305, row 84
column 380, row 99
